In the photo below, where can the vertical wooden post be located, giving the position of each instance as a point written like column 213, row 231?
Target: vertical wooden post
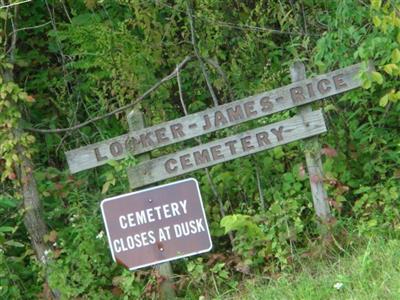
column 313, row 156
column 136, row 121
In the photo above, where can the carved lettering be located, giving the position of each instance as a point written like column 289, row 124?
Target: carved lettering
column 207, row 122
column 169, row 166
column 339, row 81
column 160, row 135
column 185, row 161
column 297, row 94
column 130, row 144
column 220, row 119
column 235, row 114
column 246, row 143
column 323, row 86
column 177, row 131
column 310, row 89
column 262, row 139
column 249, row 109
column 278, row 133
column 231, row 145
column 99, row 157
column 266, row 104
column 146, row 140
column 201, row 157
column 216, row 152
column 116, row 149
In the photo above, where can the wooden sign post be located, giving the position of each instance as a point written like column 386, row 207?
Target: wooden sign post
column 313, row 155
column 136, row 122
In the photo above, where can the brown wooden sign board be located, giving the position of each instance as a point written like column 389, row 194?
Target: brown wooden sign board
column 235, row 146
column 223, row 116
column 156, row 225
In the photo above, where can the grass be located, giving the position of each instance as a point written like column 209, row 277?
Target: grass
column 370, row 271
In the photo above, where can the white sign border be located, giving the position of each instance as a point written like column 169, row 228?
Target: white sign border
column 146, row 190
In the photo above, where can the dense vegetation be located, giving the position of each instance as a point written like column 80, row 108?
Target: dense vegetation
column 65, row 62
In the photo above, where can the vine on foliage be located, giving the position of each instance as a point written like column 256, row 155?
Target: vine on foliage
column 12, row 97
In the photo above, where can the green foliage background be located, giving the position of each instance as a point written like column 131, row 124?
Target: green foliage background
column 95, row 56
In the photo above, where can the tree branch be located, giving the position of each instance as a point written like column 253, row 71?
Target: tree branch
column 240, row 26
column 14, row 4
column 32, row 27
column 178, row 78
column 221, row 72
column 196, row 52
column 118, row 110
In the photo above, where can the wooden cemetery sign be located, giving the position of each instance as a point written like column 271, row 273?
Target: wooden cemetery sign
column 145, row 227
column 226, row 149
column 156, row 225
column 223, row 116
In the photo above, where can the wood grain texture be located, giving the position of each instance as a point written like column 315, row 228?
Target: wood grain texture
column 191, row 126
column 313, row 158
column 218, row 151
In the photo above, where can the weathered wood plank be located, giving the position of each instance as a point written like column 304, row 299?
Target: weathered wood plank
column 223, row 116
column 313, row 156
column 226, row 149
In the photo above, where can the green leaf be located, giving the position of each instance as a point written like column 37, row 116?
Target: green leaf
column 106, row 186
column 384, row 100
column 377, row 77
column 366, row 84
column 395, row 56
column 7, row 202
column 389, row 68
column 372, row 223
column 376, row 4
column 376, row 21
column 6, row 229
column 3, row 14
column 14, row 244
